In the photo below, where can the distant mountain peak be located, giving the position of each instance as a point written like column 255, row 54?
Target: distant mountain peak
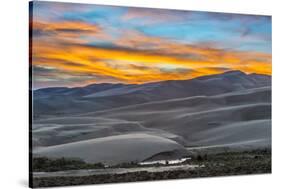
column 233, row 72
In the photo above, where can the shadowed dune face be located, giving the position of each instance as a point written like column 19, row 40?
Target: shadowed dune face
column 124, row 123
column 113, row 149
column 193, row 118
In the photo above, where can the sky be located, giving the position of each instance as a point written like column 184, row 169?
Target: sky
column 81, row 44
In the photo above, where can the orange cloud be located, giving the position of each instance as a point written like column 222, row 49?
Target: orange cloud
column 66, row 26
column 135, row 58
column 66, row 31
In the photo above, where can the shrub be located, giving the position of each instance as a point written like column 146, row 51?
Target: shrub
column 60, row 164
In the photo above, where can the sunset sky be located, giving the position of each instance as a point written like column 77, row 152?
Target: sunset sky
column 80, row 44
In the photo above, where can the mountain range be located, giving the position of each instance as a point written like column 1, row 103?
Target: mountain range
column 63, row 100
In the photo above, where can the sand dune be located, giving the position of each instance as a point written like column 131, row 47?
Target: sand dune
column 216, row 124
column 120, row 123
column 247, row 96
column 113, row 149
column 54, row 131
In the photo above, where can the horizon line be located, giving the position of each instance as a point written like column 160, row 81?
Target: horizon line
column 82, row 86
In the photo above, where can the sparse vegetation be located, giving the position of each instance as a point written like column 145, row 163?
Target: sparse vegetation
column 43, row 164
column 126, row 165
column 223, row 164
